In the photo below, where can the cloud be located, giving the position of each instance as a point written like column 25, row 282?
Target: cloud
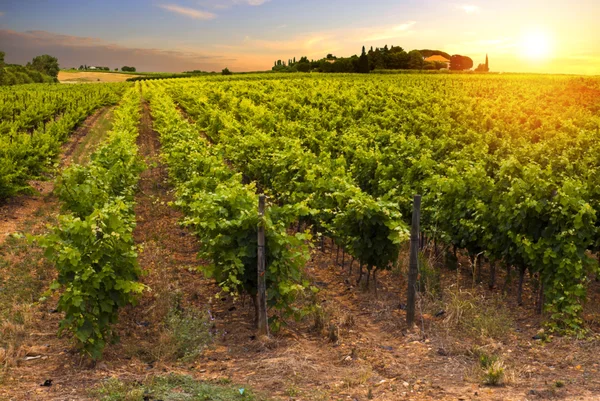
column 73, row 51
column 188, row 12
column 1, row 13
column 469, row 8
column 384, row 33
column 224, row 4
column 341, row 42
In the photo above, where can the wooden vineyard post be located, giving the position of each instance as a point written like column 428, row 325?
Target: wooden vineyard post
column 261, row 291
column 413, row 267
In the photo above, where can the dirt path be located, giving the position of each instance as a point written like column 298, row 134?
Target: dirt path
column 30, row 351
column 18, row 209
column 87, row 136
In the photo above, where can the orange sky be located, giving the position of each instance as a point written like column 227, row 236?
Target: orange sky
column 548, row 36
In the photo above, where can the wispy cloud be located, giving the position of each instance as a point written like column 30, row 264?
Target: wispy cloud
column 469, row 8
column 224, row 4
column 1, row 13
column 384, row 33
column 318, row 44
column 188, row 12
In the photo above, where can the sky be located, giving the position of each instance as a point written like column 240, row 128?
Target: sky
column 546, row 36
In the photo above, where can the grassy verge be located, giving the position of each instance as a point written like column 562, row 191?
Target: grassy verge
column 170, row 388
column 24, row 275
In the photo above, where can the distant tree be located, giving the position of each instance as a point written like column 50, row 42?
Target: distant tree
column 363, row 62
column 226, row 71
column 330, row 57
column 2, row 73
column 460, row 63
column 397, row 59
column 294, row 60
column 376, row 60
column 302, row 66
column 128, row 69
column 415, row 60
column 484, row 67
column 45, row 64
column 117, row 69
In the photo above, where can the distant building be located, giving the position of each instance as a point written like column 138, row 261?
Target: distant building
column 438, row 59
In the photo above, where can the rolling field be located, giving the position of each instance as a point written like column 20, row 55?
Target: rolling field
column 67, row 77
column 139, row 222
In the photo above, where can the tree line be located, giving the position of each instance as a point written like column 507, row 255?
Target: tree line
column 85, row 67
column 386, row 58
column 42, row 69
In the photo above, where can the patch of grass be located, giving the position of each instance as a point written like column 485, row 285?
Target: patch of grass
column 429, row 278
column 493, row 375
column 94, row 136
column 486, row 360
column 188, row 333
column 24, row 275
column 491, row 370
column 488, row 318
column 170, row 388
column 360, row 377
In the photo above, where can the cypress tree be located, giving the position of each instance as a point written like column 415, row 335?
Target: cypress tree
column 363, row 62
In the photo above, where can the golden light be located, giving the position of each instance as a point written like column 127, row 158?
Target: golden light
column 537, row 45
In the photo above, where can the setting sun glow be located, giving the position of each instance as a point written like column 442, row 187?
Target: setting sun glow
column 536, row 45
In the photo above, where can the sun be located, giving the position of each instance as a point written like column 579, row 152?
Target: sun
column 537, row 45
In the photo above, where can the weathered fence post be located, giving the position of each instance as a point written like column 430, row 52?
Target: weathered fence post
column 261, row 292
column 413, row 267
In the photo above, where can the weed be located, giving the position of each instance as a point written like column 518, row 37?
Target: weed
column 486, row 360
column 482, row 317
column 494, row 373
column 320, row 318
column 559, row 384
column 292, row 390
column 429, row 278
column 189, row 332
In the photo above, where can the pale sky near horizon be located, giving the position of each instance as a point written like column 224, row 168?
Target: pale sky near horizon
column 549, row 36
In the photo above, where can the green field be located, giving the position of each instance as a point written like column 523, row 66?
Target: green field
column 154, row 230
